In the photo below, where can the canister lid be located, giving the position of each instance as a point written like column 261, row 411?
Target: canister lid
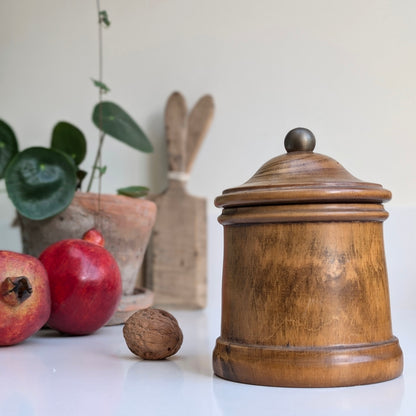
column 301, row 176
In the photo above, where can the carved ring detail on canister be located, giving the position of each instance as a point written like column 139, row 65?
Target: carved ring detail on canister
column 305, row 299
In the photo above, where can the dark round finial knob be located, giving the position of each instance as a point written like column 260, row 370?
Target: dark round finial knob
column 300, row 140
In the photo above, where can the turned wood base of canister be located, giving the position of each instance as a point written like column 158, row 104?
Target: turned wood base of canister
column 308, row 367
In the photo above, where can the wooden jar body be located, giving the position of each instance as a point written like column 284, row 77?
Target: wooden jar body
column 305, row 301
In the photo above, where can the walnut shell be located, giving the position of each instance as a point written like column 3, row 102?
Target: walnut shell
column 152, row 334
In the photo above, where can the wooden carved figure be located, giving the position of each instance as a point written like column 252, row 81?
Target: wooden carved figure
column 175, row 262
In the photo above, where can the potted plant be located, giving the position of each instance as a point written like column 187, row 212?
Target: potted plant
column 45, row 185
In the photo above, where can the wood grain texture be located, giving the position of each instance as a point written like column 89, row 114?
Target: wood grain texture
column 176, row 131
column 199, row 122
column 305, row 299
column 175, row 263
column 313, row 367
column 303, row 212
column 306, row 304
column 302, row 177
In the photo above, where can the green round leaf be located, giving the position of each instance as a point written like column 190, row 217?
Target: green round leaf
column 41, row 182
column 133, row 191
column 8, row 146
column 114, row 121
column 69, row 139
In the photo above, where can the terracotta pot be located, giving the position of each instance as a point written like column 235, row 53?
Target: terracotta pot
column 126, row 224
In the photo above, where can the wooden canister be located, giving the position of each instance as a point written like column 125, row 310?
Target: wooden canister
column 305, row 299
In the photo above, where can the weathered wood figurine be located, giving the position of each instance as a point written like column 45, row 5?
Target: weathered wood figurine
column 175, row 263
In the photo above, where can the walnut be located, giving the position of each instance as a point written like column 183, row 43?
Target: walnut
column 152, row 334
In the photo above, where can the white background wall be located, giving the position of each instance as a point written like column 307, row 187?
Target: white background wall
column 344, row 69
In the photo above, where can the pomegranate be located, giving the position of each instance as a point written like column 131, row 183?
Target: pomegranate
column 25, row 302
column 85, row 283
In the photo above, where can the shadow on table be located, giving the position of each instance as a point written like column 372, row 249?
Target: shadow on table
column 374, row 399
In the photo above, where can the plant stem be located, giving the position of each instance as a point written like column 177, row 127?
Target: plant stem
column 97, row 161
column 100, row 47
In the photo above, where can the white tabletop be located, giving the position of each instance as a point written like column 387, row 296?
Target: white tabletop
column 49, row 374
